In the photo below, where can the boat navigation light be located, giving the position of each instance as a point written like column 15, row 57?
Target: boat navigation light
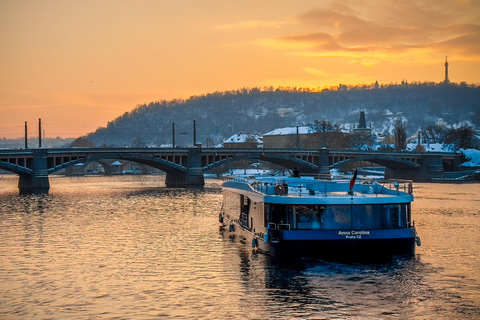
column 396, row 185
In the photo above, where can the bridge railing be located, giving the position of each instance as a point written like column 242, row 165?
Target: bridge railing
column 456, row 176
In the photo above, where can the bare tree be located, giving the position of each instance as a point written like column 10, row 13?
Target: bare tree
column 324, row 127
column 400, row 136
column 435, row 134
column 82, row 142
column 460, row 138
column 138, row 142
column 361, row 140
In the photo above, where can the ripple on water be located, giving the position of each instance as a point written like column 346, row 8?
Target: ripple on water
column 123, row 247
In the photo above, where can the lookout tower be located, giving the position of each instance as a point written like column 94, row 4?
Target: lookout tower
column 446, row 72
column 362, row 124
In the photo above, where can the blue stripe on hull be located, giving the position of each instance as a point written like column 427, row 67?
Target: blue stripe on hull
column 348, row 245
column 345, row 234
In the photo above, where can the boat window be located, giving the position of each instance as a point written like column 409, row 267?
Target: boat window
column 367, row 216
column 394, row 216
column 245, row 211
column 308, row 217
column 275, row 215
column 337, row 217
column 246, row 204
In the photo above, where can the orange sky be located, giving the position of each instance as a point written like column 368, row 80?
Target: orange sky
column 79, row 64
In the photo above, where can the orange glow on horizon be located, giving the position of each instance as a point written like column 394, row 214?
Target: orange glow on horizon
column 78, row 65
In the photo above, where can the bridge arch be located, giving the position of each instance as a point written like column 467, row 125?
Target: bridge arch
column 164, row 165
column 383, row 160
column 14, row 168
column 282, row 160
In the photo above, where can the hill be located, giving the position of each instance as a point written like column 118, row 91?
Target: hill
column 221, row 114
column 33, row 142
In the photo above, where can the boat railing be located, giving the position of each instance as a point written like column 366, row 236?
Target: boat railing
column 295, row 188
column 278, row 186
column 398, row 185
column 236, row 179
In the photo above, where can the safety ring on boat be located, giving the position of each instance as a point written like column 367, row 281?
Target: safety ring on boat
column 279, row 190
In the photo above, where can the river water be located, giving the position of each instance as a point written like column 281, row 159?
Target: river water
column 125, row 248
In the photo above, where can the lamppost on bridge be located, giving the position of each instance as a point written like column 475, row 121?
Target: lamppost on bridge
column 26, row 136
column 194, row 134
column 40, row 132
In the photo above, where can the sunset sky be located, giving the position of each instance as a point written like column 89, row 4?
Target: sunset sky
column 79, row 64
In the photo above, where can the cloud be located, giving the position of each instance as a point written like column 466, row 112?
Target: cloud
column 317, row 41
column 317, row 73
column 466, row 45
column 330, row 19
column 253, row 24
column 394, row 31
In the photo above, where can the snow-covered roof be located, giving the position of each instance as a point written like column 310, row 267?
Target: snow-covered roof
column 282, row 111
column 243, row 137
column 288, row 130
column 431, row 147
column 473, row 156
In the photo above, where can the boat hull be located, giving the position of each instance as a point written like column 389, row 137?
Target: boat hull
column 345, row 245
column 357, row 250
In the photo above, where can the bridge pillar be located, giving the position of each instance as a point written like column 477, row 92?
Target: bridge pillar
column 36, row 183
column 324, row 163
column 107, row 168
column 433, row 166
column 194, row 175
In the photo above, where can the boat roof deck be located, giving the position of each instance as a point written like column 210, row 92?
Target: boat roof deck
column 308, row 187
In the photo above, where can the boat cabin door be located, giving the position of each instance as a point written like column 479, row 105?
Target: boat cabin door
column 245, row 212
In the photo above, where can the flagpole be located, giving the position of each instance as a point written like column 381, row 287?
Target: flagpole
column 352, row 182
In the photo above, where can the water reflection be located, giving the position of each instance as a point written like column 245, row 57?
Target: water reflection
column 126, row 248
column 309, row 287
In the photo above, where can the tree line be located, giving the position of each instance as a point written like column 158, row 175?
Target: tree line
column 257, row 110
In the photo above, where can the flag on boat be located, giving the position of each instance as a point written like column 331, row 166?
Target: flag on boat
column 352, row 182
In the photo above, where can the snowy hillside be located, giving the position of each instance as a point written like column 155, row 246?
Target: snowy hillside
column 219, row 115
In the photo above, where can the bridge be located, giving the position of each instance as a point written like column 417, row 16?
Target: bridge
column 185, row 167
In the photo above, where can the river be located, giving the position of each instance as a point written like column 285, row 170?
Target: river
column 125, row 248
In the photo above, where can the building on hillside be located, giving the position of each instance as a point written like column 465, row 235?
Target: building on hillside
column 243, row 140
column 288, row 137
column 303, row 137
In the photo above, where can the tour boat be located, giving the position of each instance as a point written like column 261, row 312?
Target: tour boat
column 284, row 216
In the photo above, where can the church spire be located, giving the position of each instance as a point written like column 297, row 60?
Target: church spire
column 446, row 71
